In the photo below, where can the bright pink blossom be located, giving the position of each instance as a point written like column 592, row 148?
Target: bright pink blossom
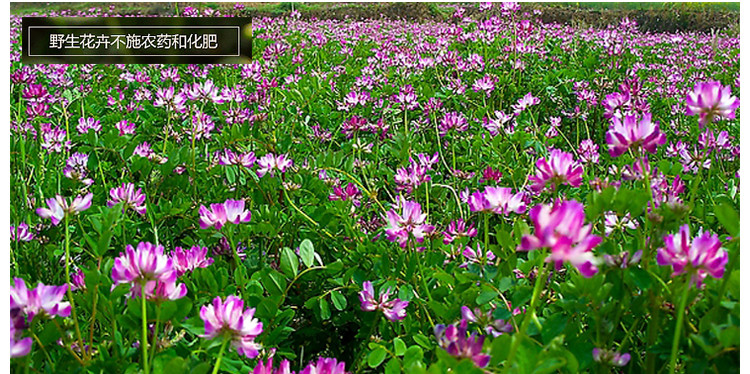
column 560, row 227
column 229, row 317
column 700, row 256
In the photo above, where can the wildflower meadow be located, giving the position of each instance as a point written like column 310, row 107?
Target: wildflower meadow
column 487, row 193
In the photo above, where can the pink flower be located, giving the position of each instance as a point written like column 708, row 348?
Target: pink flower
column 456, row 341
column 558, row 168
column 57, row 208
column 231, row 211
column 21, row 233
column 411, row 223
column 129, row 197
column 631, row 131
column 458, row 229
column 453, row 120
column 185, row 260
column 476, row 256
column 699, row 257
column 495, row 327
column 561, row 228
column 242, row 159
column 610, row 357
column 161, row 291
column 392, row 309
column 270, row 163
column 267, row 367
column 325, row 366
column 711, row 100
column 125, row 127
column 230, row 318
column 42, row 299
column 18, row 347
column 145, row 263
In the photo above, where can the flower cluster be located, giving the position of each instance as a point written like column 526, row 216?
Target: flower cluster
column 58, row 207
column 229, row 319
column 410, row 224
column 700, row 256
column 456, row 341
column 231, row 211
column 392, row 309
column 560, row 227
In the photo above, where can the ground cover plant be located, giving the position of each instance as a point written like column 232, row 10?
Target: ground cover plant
column 483, row 194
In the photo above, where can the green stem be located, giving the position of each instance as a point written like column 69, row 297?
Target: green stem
column 221, row 353
column 678, row 328
column 530, row 314
column 69, row 292
column 144, row 330
column 486, row 237
column 156, row 332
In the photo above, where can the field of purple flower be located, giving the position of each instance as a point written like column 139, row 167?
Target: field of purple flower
column 482, row 195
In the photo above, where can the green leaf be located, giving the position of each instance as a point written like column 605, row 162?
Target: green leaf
column 393, row 367
column 376, row 357
column 423, row 341
column 727, row 215
column 325, row 310
column 413, row 354
column 399, row 346
column 485, row 297
column 289, row 263
column 339, row 301
column 307, row 252
column 500, row 348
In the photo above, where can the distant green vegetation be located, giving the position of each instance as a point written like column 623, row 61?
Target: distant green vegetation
column 650, row 5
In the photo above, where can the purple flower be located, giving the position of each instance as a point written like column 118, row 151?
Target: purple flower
column 476, row 256
column 75, row 168
column 270, row 163
column 241, row 159
column 129, row 197
column 125, row 127
column 161, row 290
column 455, row 341
column 42, row 299
column 453, row 120
column 525, row 102
column 229, row 318
column 700, row 256
column 231, row 211
column 589, row 152
column 21, row 233
column 458, row 229
column 411, row 177
column 86, row 124
column 185, row 260
column 57, row 208
column 351, row 192
column 558, row 168
column 632, row 131
column 711, row 100
column 411, row 223
column 19, row 347
column 494, row 327
column 623, row 260
column 561, row 228
column 392, row 309
column 77, row 280
column 145, row 263
column 612, row 222
column 325, row 366
column 267, row 367
column 610, row 357
column 490, row 174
